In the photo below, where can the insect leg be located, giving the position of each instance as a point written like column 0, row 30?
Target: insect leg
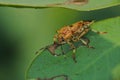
column 86, row 42
column 98, row 32
column 62, row 50
column 74, row 55
column 74, row 51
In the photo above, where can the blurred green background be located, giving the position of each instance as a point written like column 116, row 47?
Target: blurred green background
column 23, row 31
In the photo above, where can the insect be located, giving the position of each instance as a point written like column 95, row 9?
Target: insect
column 71, row 34
column 59, row 77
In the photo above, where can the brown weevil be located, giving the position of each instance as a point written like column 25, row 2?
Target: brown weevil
column 71, row 34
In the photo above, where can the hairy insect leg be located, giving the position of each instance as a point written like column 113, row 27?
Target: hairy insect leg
column 86, row 42
column 74, row 51
column 98, row 32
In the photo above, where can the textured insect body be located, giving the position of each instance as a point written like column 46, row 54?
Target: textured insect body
column 72, row 33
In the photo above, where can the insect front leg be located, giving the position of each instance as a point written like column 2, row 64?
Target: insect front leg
column 86, row 42
column 98, row 32
column 74, row 51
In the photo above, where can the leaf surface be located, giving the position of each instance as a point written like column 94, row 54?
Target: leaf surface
column 84, row 6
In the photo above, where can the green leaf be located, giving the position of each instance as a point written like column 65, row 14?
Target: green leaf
column 90, row 5
column 97, row 64
column 116, row 72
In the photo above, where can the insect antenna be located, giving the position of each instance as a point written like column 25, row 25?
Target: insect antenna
column 43, row 48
